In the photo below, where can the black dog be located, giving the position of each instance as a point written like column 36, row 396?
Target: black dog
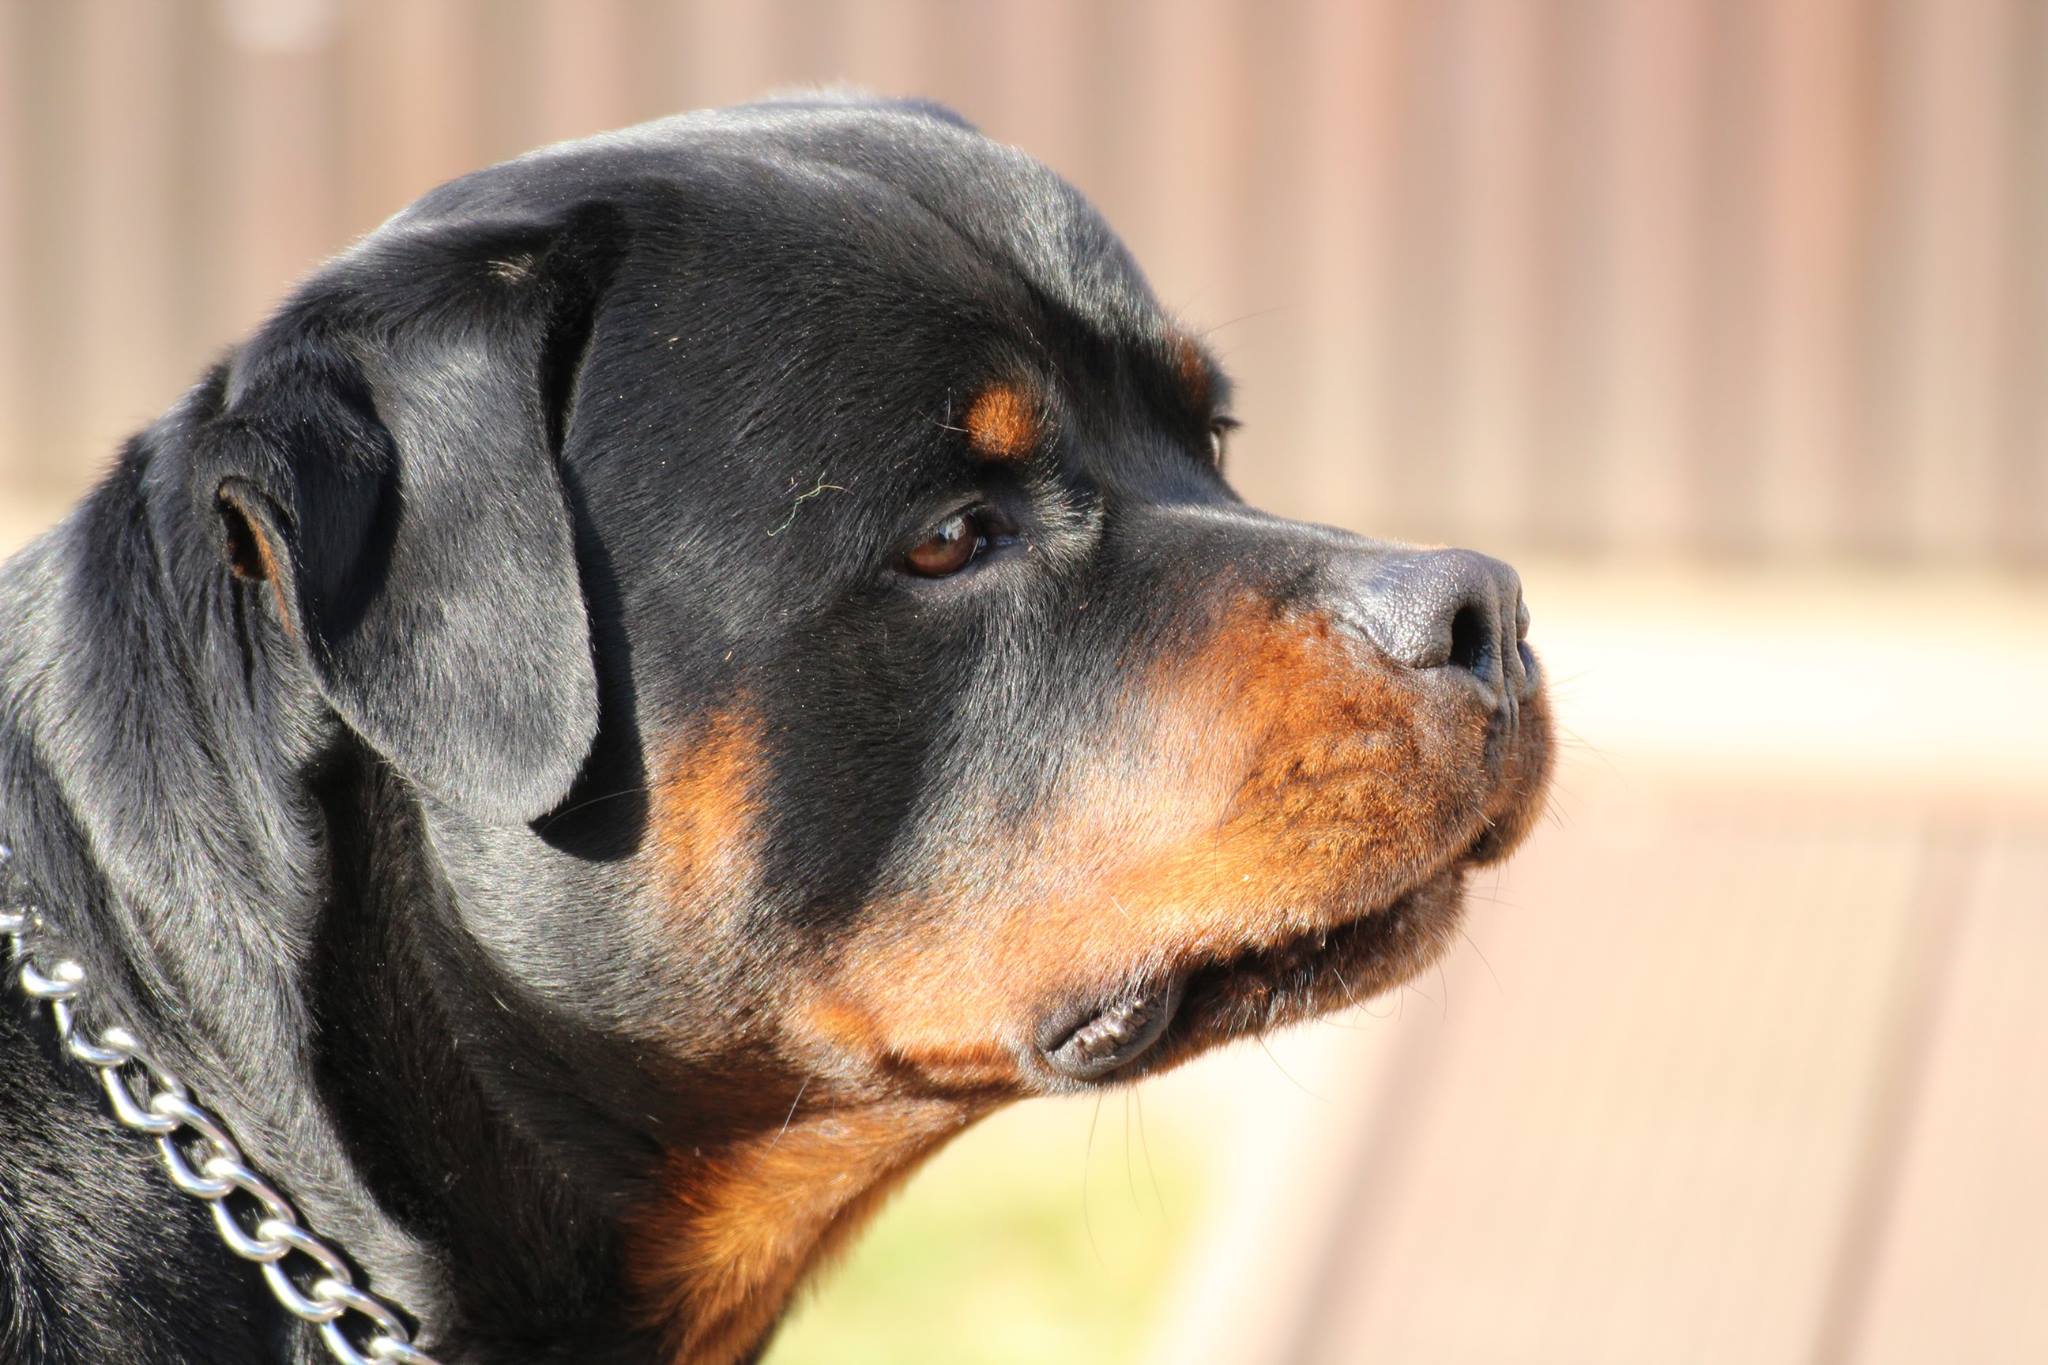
column 665, row 682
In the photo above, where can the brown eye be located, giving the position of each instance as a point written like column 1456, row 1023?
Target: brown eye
column 949, row 549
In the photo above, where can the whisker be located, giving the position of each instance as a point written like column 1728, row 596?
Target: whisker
column 1584, row 745
column 553, row 816
column 1151, row 1170
column 1087, row 1164
column 1245, row 317
column 1285, row 1072
column 1130, row 1176
column 795, row 1100
column 1498, row 988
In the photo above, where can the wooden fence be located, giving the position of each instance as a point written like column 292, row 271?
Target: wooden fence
column 1742, row 278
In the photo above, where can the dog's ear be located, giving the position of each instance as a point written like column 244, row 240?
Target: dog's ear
column 402, row 421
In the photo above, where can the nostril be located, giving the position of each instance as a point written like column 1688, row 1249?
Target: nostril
column 1471, row 640
column 1440, row 609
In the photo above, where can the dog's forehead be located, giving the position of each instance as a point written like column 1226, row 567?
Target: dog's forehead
column 838, row 169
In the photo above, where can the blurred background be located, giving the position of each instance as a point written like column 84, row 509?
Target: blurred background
column 1726, row 321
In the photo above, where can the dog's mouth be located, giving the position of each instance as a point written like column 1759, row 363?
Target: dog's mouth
column 1158, row 1018
column 1168, row 1018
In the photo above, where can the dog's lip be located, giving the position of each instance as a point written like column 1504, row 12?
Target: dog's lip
column 1120, row 1035
column 1100, row 1038
column 1123, row 1034
column 1111, row 1037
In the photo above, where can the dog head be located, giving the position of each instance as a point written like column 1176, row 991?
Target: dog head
column 789, row 557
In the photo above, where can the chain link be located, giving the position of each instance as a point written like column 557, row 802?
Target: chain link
column 255, row 1221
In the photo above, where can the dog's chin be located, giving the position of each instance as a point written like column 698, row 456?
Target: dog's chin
column 1166, row 1019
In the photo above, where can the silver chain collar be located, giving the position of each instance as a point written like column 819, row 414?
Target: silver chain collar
column 305, row 1272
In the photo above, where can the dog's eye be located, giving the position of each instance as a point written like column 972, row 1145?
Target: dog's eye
column 1219, row 439
column 950, row 548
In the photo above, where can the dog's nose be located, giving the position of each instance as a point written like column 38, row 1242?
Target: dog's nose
column 1447, row 609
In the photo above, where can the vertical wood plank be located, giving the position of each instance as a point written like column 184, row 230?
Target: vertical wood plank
column 733, row 49
column 1721, row 399
column 1262, row 320
column 201, row 59
column 887, row 46
column 1953, row 273
column 581, row 46
column 1958, row 1274
column 1652, row 107
column 1355, row 95
column 413, row 102
column 1421, row 264
column 1565, row 507
column 1498, row 155
column 2022, row 478
column 121, row 219
column 1925, row 977
column 15, row 321
column 49, row 416
column 659, row 61
column 1175, row 200
column 280, row 213
column 1813, row 186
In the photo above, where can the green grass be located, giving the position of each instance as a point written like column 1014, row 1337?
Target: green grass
column 990, row 1255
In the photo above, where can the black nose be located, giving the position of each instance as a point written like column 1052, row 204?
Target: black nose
column 1448, row 609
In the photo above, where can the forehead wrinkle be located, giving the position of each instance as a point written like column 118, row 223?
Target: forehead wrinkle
column 1069, row 526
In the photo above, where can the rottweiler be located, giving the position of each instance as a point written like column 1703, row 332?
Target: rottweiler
column 659, row 686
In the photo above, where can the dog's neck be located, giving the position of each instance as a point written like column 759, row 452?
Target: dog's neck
column 160, row 781
column 151, row 785
column 140, row 788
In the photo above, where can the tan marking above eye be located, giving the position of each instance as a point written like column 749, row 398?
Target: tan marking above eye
column 1003, row 423
column 1191, row 368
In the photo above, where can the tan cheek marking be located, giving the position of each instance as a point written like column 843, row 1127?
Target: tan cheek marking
column 900, row 1008
column 704, row 813
column 1285, row 787
column 734, row 1229
column 735, row 1233
column 1003, row 423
